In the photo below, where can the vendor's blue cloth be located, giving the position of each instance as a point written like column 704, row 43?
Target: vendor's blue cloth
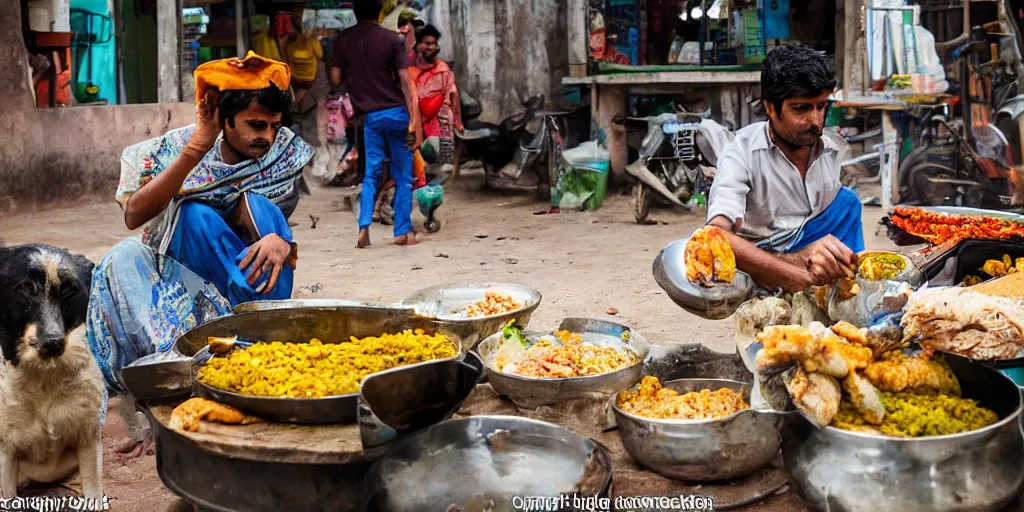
column 211, row 249
column 842, row 219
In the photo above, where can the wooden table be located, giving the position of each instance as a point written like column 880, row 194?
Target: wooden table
column 734, row 90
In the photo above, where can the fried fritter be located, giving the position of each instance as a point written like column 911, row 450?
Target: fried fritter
column 824, row 352
column 709, row 257
column 896, row 372
column 814, row 394
column 187, row 415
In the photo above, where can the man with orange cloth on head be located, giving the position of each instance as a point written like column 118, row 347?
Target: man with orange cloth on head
column 208, row 197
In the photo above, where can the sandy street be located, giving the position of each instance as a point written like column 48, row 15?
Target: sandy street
column 583, row 263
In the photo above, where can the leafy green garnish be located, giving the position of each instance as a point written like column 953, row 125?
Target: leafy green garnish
column 514, row 332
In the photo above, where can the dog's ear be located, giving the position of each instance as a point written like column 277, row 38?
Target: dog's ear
column 84, row 268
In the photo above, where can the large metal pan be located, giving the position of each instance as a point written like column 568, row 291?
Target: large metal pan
column 442, row 303
column 703, row 450
column 714, row 303
column 486, row 463
column 171, row 375
column 328, row 409
column 979, row 470
column 403, row 400
column 530, row 393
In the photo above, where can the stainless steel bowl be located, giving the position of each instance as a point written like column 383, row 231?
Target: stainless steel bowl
column 530, row 393
column 442, row 302
column 714, row 303
column 979, row 470
column 703, row 450
column 486, row 463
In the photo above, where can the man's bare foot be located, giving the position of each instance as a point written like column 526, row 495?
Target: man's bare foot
column 407, row 239
column 364, row 239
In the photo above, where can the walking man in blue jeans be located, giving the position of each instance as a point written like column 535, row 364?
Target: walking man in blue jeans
column 372, row 62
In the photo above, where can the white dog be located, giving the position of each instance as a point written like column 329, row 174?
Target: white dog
column 51, row 389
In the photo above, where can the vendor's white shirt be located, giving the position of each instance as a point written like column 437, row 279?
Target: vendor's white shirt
column 756, row 182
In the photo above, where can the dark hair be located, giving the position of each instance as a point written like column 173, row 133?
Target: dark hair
column 795, row 71
column 272, row 98
column 427, row 31
column 367, row 9
column 403, row 22
column 418, row 23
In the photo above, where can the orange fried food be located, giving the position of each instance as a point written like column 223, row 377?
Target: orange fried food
column 852, row 333
column 709, row 257
column 651, row 400
column 896, row 372
column 493, row 304
column 187, row 415
column 828, row 354
column 942, row 228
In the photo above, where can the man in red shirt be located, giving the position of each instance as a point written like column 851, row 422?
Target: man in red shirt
column 373, row 65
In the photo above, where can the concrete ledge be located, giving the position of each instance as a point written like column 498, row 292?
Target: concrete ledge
column 65, row 153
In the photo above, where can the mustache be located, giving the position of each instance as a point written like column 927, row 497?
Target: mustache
column 260, row 143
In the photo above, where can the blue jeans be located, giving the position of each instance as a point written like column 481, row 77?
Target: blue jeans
column 387, row 128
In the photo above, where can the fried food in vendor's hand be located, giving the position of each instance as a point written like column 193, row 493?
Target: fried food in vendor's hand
column 826, row 352
column 816, row 395
column 709, row 257
column 651, row 400
column 896, row 372
column 188, row 415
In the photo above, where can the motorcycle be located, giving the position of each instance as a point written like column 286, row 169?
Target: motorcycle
column 677, row 159
column 963, row 162
column 494, row 145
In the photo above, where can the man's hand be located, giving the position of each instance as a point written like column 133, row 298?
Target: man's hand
column 270, row 253
column 825, row 260
column 412, row 139
column 207, row 123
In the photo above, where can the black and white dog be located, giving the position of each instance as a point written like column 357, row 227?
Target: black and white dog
column 51, row 389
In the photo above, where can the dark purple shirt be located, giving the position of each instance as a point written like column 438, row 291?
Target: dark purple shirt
column 369, row 57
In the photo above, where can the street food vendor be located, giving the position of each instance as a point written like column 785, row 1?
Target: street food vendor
column 777, row 193
column 208, row 195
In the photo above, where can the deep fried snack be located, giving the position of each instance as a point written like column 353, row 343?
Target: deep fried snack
column 882, row 266
column 828, row 353
column 709, row 258
column 943, row 228
column 651, row 400
column 187, row 415
column 896, row 372
column 493, row 304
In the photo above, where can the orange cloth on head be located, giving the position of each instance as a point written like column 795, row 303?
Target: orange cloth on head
column 256, row 73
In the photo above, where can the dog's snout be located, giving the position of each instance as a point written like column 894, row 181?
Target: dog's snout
column 51, row 345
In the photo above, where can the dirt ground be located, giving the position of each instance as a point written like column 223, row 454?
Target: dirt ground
column 582, row 262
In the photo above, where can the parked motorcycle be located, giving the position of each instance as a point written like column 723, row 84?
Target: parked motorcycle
column 494, row 145
column 678, row 160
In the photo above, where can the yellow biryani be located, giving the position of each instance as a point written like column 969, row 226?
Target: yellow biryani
column 493, row 304
column 316, row 369
column 651, row 400
column 573, row 358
